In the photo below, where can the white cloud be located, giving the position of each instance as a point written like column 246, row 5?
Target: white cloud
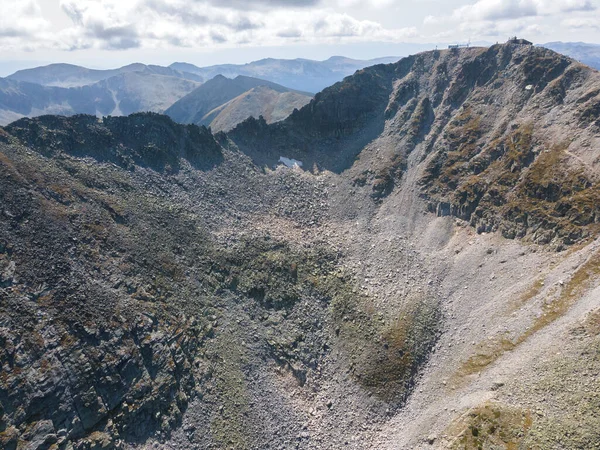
column 342, row 25
column 115, row 24
column 489, row 29
column 168, row 24
column 578, row 23
column 496, row 10
column 495, row 18
column 515, row 9
column 262, row 4
column 433, row 20
column 109, row 22
column 21, row 24
column 577, row 5
column 365, row 3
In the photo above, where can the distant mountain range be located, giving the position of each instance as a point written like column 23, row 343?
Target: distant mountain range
column 269, row 87
column 586, row 53
column 263, row 101
column 69, row 75
column 123, row 94
column 222, row 102
column 300, row 74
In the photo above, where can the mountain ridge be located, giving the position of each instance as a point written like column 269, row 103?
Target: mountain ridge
column 300, row 74
column 197, row 106
column 70, row 75
column 586, row 53
column 326, row 121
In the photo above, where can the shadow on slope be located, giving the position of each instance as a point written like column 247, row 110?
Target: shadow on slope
column 328, row 132
column 143, row 139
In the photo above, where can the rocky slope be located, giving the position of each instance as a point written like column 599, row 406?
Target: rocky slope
column 222, row 103
column 491, row 126
column 429, row 280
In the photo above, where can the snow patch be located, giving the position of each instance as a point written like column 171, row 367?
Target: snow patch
column 288, row 162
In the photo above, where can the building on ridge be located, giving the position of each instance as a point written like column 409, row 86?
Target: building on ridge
column 518, row 41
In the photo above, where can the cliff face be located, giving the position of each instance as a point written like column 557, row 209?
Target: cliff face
column 508, row 159
column 494, row 130
column 82, row 359
column 164, row 287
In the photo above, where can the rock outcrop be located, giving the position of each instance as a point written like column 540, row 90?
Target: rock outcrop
column 492, row 126
column 143, row 139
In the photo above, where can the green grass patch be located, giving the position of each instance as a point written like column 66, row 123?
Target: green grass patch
column 491, row 426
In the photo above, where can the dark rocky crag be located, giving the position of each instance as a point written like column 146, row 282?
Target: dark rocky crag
column 142, row 139
column 484, row 121
column 161, row 284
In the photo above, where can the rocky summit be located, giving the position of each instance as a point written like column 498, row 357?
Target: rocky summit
column 410, row 261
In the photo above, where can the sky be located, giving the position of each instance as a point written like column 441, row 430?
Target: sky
column 111, row 33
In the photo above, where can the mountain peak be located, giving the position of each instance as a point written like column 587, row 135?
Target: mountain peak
column 134, row 67
column 339, row 58
column 203, row 105
column 477, row 101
